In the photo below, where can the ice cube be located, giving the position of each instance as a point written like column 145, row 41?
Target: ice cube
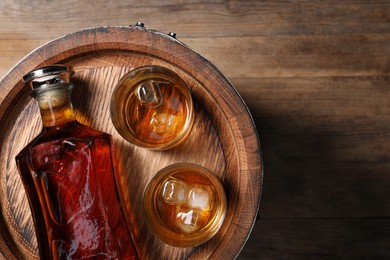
column 201, row 197
column 149, row 93
column 186, row 219
column 164, row 123
column 174, row 192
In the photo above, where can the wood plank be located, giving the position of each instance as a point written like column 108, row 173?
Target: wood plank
column 322, row 238
column 196, row 18
column 323, row 99
column 273, row 56
column 298, row 56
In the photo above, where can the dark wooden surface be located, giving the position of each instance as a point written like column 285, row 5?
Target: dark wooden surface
column 316, row 77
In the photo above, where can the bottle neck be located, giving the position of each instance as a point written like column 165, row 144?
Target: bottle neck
column 55, row 106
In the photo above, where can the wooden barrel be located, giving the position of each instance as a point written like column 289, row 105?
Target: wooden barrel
column 223, row 139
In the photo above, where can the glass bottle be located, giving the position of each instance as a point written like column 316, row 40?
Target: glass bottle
column 68, row 175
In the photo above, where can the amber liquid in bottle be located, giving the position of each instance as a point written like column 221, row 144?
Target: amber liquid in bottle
column 68, row 175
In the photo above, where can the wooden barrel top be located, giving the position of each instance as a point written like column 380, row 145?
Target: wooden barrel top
column 223, row 139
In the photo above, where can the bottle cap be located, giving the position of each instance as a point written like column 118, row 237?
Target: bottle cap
column 52, row 74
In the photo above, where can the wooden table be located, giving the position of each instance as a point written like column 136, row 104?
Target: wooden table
column 316, row 77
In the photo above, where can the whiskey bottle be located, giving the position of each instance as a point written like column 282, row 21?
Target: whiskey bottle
column 68, row 174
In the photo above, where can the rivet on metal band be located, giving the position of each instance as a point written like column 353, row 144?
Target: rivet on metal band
column 172, row 34
column 140, row 24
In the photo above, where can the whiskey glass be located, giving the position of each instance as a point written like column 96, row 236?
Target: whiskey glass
column 184, row 205
column 152, row 107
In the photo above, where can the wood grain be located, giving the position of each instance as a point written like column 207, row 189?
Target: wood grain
column 315, row 76
column 222, row 140
column 199, row 24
